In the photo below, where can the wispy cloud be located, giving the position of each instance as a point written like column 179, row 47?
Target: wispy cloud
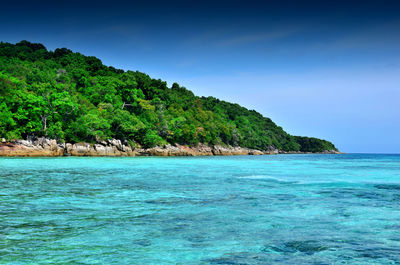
column 374, row 36
column 257, row 37
column 236, row 35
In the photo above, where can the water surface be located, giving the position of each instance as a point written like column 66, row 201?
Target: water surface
column 285, row 209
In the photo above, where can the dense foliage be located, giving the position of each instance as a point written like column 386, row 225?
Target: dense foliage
column 73, row 98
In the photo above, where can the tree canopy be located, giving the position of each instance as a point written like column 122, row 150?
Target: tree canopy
column 70, row 97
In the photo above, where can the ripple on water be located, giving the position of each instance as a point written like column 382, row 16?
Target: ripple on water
column 300, row 209
column 390, row 187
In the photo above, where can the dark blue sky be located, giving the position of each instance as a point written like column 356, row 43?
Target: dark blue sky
column 329, row 69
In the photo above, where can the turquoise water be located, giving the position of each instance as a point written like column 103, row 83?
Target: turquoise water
column 283, row 209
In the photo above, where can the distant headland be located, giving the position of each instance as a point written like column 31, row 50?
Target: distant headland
column 60, row 103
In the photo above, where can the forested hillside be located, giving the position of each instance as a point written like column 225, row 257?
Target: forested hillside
column 75, row 98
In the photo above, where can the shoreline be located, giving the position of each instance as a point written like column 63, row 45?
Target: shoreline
column 43, row 147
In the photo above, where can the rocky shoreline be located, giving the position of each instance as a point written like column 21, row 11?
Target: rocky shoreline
column 115, row 148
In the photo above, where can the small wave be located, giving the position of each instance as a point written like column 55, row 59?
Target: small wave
column 299, row 182
column 263, row 177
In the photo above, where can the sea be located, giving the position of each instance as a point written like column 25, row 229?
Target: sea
column 271, row 209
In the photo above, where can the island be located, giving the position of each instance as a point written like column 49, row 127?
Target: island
column 63, row 103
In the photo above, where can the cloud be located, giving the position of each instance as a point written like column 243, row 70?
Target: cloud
column 257, row 37
column 238, row 34
column 371, row 36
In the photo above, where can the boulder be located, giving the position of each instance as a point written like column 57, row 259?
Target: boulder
column 113, row 147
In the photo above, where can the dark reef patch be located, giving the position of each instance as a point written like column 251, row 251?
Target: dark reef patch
column 308, row 247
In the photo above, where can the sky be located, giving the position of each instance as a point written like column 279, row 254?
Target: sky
column 327, row 69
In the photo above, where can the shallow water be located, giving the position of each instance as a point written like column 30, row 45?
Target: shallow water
column 286, row 209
